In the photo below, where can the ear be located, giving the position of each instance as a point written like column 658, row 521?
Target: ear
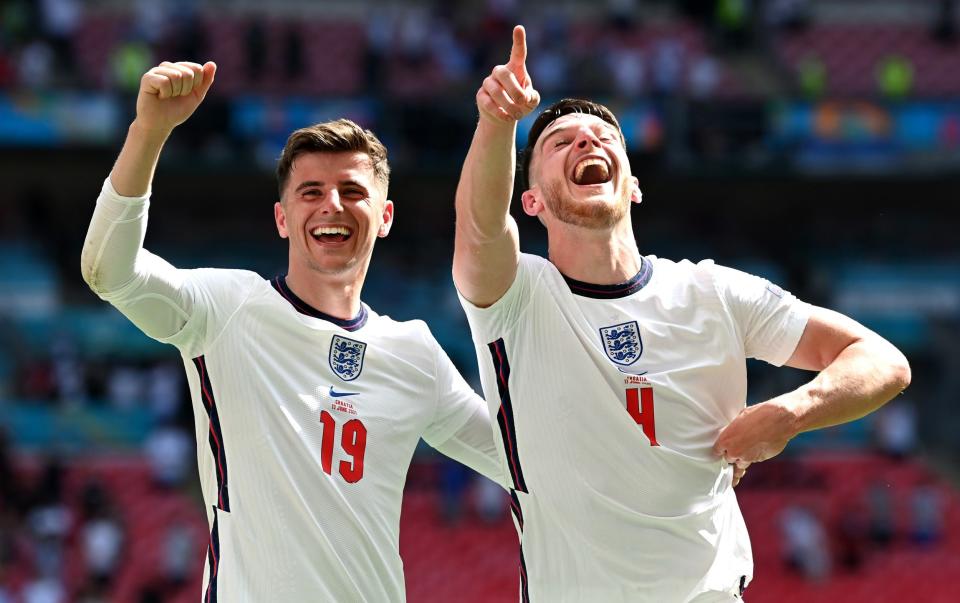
column 281, row 219
column 636, row 195
column 387, row 217
column 531, row 201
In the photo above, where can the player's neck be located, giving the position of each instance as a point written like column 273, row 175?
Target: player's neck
column 333, row 294
column 594, row 256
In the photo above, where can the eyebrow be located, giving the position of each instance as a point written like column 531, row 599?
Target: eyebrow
column 319, row 183
column 307, row 184
column 604, row 125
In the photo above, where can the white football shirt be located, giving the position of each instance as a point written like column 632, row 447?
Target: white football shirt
column 608, row 400
column 306, row 424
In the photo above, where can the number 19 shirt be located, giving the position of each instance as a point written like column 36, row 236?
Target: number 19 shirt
column 306, row 424
column 608, row 400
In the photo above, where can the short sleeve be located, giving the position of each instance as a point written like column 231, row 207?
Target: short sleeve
column 461, row 427
column 455, row 399
column 490, row 323
column 769, row 319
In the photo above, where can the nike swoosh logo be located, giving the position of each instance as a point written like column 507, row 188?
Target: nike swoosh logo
column 336, row 394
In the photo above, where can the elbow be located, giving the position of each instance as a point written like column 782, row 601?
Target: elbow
column 900, row 374
column 89, row 271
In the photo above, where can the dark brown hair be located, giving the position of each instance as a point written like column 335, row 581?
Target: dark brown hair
column 551, row 114
column 338, row 136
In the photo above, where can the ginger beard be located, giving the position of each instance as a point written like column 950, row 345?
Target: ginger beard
column 594, row 214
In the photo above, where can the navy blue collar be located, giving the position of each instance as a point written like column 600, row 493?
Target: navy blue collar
column 280, row 284
column 639, row 280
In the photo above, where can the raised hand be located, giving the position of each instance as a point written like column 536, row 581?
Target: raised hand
column 507, row 94
column 171, row 92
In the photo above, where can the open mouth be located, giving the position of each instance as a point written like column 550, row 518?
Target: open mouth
column 591, row 170
column 331, row 234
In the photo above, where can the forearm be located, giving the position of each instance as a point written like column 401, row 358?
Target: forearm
column 486, row 181
column 861, row 379
column 132, row 174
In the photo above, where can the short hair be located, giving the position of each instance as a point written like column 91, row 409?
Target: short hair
column 550, row 115
column 338, row 136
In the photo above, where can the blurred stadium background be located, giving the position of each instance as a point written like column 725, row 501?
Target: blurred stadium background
column 814, row 142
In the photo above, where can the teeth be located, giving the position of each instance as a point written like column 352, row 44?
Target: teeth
column 583, row 165
column 330, row 230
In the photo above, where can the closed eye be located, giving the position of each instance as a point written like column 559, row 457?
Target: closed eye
column 354, row 194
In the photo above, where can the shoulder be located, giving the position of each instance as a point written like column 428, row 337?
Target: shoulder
column 224, row 278
column 683, row 272
column 404, row 333
column 408, row 340
column 222, row 285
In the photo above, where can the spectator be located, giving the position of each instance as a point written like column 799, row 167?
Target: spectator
column 36, row 65
column 102, row 538
column 667, row 66
column 49, row 521
column 60, row 20
column 812, row 77
column 128, row 62
column 704, row 77
column 880, row 513
column 805, row 543
column 549, row 65
column 945, row 26
column 491, row 501
column 294, row 63
column 255, row 49
column 895, row 77
column 926, row 512
column 851, row 537
column 787, row 14
column 125, row 387
column 627, row 70
column 179, row 552
column 896, row 429
column 165, row 391
column 44, row 589
column 732, row 20
column 168, row 450
column 68, row 371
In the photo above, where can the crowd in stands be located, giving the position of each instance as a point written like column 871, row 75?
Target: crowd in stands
column 621, row 48
column 67, row 534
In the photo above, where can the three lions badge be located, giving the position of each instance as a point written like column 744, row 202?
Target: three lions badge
column 622, row 342
column 346, row 357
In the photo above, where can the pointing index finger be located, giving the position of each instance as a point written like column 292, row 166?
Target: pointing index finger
column 518, row 54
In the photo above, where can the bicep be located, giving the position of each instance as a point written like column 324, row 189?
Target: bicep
column 825, row 336
column 485, row 267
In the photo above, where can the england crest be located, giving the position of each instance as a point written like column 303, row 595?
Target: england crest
column 622, row 342
column 346, row 357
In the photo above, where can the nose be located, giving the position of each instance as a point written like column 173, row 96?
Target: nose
column 586, row 139
column 331, row 203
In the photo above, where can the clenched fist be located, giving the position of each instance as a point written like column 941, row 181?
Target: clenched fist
column 507, row 94
column 171, row 92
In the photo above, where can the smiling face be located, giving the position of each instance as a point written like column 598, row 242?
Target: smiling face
column 579, row 174
column 332, row 210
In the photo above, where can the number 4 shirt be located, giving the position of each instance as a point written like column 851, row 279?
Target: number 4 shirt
column 608, row 400
column 306, row 424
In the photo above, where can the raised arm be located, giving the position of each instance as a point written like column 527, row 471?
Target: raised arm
column 859, row 371
column 113, row 262
column 487, row 247
column 169, row 94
